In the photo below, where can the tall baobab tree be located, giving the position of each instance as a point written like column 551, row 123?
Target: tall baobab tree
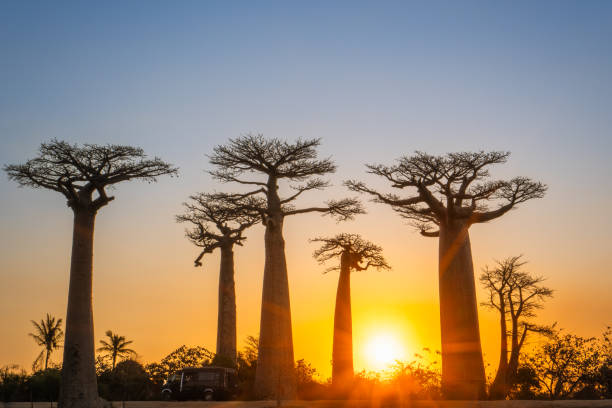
column 356, row 254
column 219, row 225
column 48, row 334
column 241, row 161
column 82, row 175
column 450, row 194
column 516, row 295
column 116, row 346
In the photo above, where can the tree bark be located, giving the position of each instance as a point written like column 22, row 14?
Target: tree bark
column 499, row 387
column 275, row 374
column 342, row 354
column 79, row 386
column 47, row 359
column 463, row 375
column 226, row 322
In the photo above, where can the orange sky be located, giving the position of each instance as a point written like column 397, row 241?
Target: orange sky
column 146, row 288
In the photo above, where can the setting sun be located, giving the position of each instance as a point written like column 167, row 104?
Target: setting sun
column 382, row 350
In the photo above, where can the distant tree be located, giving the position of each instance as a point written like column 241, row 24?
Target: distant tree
column 82, row 175
column 356, row 254
column 275, row 160
column 246, row 366
column 451, row 193
column 13, row 384
column 48, row 334
column 44, row 385
column 180, row 358
column 218, row 224
column 116, row 346
column 516, row 295
column 566, row 364
column 127, row 382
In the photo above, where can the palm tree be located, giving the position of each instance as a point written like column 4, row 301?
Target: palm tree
column 47, row 334
column 116, row 346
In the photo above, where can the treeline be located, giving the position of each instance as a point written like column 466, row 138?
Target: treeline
column 563, row 366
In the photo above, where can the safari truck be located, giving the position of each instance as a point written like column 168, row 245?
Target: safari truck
column 204, row 383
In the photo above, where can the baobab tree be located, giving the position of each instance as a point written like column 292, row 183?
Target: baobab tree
column 450, row 194
column 218, row 224
column 241, row 161
column 82, row 175
column 516, row 295
column 356, row 254
column 116, row 346
column 48, row 334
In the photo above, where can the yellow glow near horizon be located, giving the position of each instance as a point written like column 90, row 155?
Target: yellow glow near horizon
column 382, row 350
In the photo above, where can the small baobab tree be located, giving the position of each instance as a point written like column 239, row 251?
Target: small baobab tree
column 356, row 254
column 116, row 346
column 219, row 224
column 82, row 175
column 450, row 194
column 48, row 334
column 516, row 295
column 241, row 161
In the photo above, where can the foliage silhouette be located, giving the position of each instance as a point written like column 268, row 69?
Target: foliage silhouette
column 83, row 175
column 48, row 334
column 181, row 357
column 450, row 194
column 276, row 160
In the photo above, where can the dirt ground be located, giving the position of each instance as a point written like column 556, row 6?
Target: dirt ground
column 336, row 404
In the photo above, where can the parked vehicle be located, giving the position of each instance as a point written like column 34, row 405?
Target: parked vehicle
column 206, row 383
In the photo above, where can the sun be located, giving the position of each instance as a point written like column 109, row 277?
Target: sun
column 382, row 350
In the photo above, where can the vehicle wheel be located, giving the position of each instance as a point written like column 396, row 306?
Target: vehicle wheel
column 166, row 396
column 208, row 396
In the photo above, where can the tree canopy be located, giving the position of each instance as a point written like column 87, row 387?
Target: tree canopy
column 452, row 187
column 361, row 254
column 80, row 171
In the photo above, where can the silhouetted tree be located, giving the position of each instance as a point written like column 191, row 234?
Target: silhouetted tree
column 451, row 194
column 180, row 358
column 116, row 346
column 48, row 334
column 276, row 160
column 516, row 295
column 82, row 175
column 356, row 254
column 219, row 225
column 566, row 364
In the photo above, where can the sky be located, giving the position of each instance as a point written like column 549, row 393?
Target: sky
column 374, row 81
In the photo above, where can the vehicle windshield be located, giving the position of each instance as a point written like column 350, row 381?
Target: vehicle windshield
column 174, row 377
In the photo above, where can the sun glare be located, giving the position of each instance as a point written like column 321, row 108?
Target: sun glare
column 382, row 349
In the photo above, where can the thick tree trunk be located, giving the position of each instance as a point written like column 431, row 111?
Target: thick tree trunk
column 499, row 387
column 275, row 374
column 79, row 387
column 342, row 354
column 463, row 375
column 226, row 322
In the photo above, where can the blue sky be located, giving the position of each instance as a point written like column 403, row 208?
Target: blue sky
column 374, row 80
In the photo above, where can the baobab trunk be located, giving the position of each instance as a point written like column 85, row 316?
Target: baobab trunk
column 79, row 387
column 463, row 374
column 342, row 354
column 226, row 323
column 499, row 387
column 275, row 376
